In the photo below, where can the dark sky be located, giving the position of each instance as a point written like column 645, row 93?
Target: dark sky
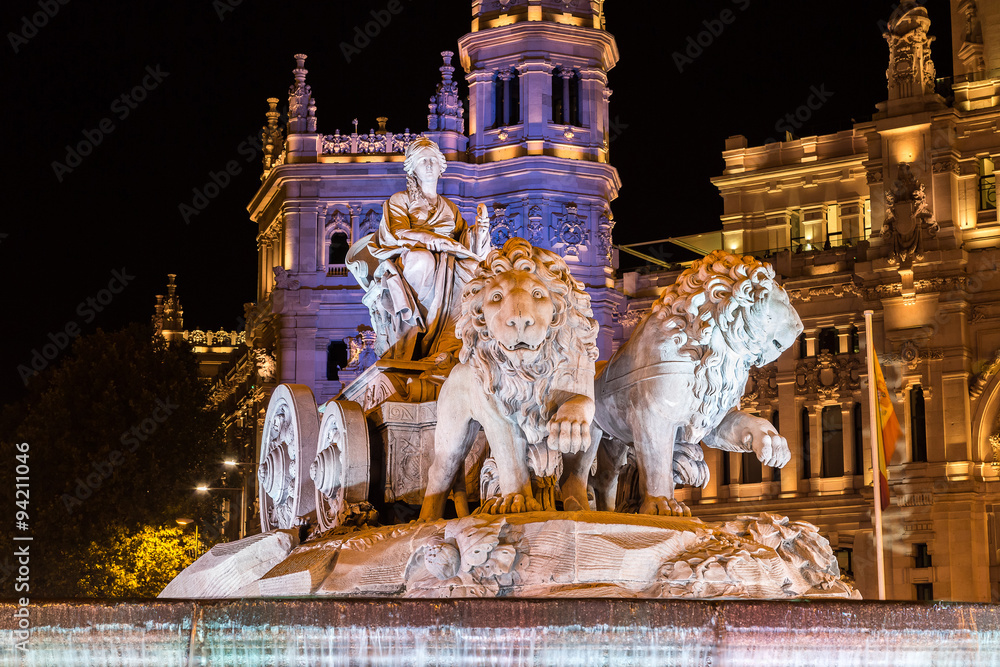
column 68, row 229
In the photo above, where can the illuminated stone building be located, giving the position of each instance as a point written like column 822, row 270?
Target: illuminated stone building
column 897, row 215
column 535, row 152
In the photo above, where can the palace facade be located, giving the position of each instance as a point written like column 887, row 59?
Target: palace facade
column 896, row 215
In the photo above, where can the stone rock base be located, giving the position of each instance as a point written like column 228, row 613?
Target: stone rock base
column 565, row 554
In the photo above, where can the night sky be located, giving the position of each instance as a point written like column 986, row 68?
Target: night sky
column 205, row 68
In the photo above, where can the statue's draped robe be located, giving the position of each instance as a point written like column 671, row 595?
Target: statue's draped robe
column 418, row 291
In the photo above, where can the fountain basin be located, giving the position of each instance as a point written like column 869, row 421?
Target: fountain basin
column 566, row 631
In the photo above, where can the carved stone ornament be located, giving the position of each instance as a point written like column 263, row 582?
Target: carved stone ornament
column 604, row 246
column 446, row 108
column 341, row 469
column 829, row 377
column 570, row 230
column 911, row 71
column 287, row 449
column 502, row 227
column 266, row 365
column 762, row 387
column 535, row 230
column 908, row 218
column 545, row 554
column 283, row 279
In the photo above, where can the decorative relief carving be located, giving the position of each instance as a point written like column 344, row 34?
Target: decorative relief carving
column 762, row 387
column 339, row 222
column 341, row 469
column 535, row 230
column 806, row 294
column 361, row 349
column 369, row 223
column 980, row 381
column 828, row 377
column 570, row 229
column 502, row 226
column 907, row 217
column 265, row 365
column 911, row 356
column 604, row 226
column 283, row 279
column 911, row 71
column 288, row 448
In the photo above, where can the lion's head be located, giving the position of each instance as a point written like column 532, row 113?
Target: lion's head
column 524, row 317
column 727, row 313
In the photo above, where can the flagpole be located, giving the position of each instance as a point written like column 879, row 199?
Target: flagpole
column 875, row 424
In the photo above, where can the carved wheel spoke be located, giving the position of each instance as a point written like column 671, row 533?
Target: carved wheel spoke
column 341, row 469
column 288, row 447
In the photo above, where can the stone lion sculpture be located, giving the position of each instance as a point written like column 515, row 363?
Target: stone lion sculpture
column 678, row 380
column 526, row 374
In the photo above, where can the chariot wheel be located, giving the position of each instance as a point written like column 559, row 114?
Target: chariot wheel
column 341, row 470
column 287, row 449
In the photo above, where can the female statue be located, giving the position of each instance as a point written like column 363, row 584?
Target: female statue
column 413, row 268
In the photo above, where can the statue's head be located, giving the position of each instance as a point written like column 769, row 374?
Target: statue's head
column 419, row 150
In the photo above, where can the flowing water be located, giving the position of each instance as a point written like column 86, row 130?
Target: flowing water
column 400, row 633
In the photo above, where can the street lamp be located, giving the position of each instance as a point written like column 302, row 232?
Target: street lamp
column 243, row 497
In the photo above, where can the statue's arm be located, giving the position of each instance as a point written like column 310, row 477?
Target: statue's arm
column 742, row 432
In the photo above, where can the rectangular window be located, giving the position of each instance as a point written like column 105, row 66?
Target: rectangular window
column 987, row 185
column 806, row 454
column 833, row 442
column 918, row 425
column 921, row 558
column 868, row 218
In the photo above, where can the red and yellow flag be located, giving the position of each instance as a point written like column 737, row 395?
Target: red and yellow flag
column 887, row 432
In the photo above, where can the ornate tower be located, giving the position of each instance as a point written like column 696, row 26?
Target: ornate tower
column 539, row 132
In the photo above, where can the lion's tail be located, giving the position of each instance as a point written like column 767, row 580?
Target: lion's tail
column 689, row 464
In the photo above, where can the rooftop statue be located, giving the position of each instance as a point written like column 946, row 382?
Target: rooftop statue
column 678, row 380
column 414, row 266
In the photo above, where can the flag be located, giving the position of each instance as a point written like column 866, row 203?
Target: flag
column 887, row 431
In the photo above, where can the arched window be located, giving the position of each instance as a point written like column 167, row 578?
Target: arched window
column 918, row 427
column 832, row 464
column 859, row 443
column 565, row 97
column 806, row 454
column 828, row 340
column 338, row 248
column 336, row 358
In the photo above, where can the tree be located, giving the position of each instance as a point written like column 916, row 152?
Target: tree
column 136, row 564
column 119, row 435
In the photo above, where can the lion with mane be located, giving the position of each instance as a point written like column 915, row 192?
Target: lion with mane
column 526, row 374
column 678, row 380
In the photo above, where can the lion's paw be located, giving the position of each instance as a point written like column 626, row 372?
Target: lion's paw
column 511, row 503
column 663, row 506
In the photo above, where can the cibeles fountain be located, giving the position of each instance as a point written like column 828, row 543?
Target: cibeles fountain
column 488, row 408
